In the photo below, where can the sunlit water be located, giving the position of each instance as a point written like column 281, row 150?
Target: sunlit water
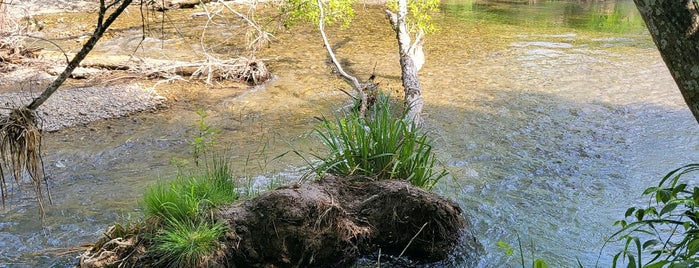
column 552, row 118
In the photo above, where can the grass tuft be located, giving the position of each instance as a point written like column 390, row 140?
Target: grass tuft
column 187, row 244
column 379, row 146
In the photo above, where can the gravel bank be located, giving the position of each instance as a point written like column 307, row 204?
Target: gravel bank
column 82, row 105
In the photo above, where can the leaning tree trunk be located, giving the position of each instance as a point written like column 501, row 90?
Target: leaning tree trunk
column 411, row 84
column 674, row 25
column 20, row 134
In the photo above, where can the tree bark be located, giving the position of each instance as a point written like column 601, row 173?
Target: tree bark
column 673, row 24
column 411, row 83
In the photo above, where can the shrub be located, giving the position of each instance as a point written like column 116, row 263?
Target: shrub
column 379, row 146
column 667, row 229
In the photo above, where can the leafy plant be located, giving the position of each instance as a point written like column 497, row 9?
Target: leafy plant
column 667, row 230
column 509, row 251
column 185, row 236
column 419, row 14
column 205, row 139
column 337, row 11
column 187, row 196
column 378, row 146
column 187, row 244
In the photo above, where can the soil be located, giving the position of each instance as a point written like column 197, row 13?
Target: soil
column 328, row 223
column 334, row 221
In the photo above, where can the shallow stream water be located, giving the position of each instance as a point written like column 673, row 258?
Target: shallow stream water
column 552, row 118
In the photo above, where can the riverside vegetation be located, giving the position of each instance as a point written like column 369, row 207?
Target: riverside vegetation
column 182, row 226
column 665, row 233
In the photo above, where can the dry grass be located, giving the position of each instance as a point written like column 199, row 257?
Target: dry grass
column 20, row 152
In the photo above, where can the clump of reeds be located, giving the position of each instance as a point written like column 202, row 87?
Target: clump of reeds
column 379, row 146
column 20, row 152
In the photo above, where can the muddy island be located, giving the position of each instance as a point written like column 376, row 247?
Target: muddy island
column 329, row 222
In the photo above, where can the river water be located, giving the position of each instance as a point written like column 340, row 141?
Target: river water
column 552, row 118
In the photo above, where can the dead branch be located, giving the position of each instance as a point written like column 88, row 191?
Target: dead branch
column 102, row 26
column 353, row 81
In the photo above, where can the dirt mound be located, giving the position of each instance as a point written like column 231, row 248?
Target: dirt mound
column 329, row 223
column 332, row 222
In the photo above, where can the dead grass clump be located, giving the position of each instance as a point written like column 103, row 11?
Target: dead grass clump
column 20, row 152
column 119, row 247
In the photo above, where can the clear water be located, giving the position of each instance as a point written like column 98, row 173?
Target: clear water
column 551, row 116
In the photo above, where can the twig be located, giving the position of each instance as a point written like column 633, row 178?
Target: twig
column 411, row 240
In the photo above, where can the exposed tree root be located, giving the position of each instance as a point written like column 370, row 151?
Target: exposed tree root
column 20, row 152
column 334, row 221
column 117, row 248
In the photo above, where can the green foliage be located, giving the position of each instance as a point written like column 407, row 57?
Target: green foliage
column 419, row 14
column 185, row 198
column 168, row 202
column 336, row 11
column 667, row 230
column 205, row 139
column 509, row 251
column 378, row 146
column 187, row 244
column 185, row 236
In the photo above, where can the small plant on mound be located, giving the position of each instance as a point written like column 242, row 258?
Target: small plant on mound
column 379, row 146
column 186, row 236
column 187, row 244
column 667, row 230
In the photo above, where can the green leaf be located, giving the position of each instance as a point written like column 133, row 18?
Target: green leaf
column 668, row 208
column 632, row 262
column 659, row 264
column 506, row 247
column 650, row 243
column 663, row 196
column 629, row 212
column 693, row 247
column 539, row 263
column 639, row 214
column 650, row 190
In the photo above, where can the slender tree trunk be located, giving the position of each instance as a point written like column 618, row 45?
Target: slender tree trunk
column 674, row 25
column 411, row 83
column 101, row 27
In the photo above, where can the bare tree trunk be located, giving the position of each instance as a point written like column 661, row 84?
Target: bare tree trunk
column 411, row 84
column 674, row 25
